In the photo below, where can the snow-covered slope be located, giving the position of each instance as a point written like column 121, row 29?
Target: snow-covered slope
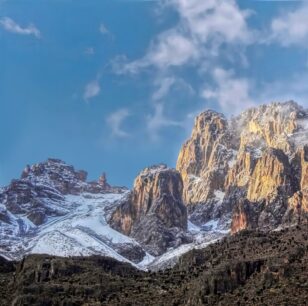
column 52, row 210
column 82, row 231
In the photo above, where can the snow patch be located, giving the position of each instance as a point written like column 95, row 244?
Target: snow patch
column 219, row 195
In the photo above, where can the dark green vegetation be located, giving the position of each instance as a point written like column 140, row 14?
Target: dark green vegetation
column 250, row 268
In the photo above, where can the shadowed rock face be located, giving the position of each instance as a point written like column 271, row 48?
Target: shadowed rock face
column 252, row 168
column 154, row 213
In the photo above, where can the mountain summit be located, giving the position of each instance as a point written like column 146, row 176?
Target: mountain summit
column 252, row 168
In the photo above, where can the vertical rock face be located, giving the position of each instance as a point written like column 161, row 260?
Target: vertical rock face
column 271, row 177
column 252, row 167
column 241, row 170
column 304, row 168
column 304, row 179
column 298, row 203
column 154, row 213
column 203, row 159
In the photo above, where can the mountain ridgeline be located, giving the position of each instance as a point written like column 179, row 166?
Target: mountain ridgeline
column 252, row 168
column 228, row 226
column 249, row 172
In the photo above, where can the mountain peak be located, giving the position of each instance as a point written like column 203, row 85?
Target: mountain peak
column 251, row 159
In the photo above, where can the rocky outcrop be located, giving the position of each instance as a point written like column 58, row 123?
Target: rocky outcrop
column 203, row 162
column 64, row 178
column 298, row 204
column 241, row 170
column 270, row 187
column 275, row 190
column 247, row 172
column 252, row 167
column 59, row 175
column 154, row 212
column 244, row 216
column 41, row 190
column 203, row 159
column 271, row 177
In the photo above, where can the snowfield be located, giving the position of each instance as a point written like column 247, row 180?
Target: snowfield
column 84, row 231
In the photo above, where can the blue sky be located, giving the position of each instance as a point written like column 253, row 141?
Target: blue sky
column 114, row 85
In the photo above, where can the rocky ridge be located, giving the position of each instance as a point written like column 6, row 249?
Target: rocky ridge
column 251, row 168
column 247, row 172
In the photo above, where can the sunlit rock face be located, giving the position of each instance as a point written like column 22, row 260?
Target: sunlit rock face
column 203, row 162
column 298, row 203
column 252, row 168
column 203, row 159
column 154, row 212
column 271, row 177
column 270, row 126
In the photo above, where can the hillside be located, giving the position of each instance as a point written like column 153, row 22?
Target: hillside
column 249, row 268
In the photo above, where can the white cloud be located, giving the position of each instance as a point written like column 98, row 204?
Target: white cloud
column 165, row 84
column 235, row 94
column 158, row 120
column 92, row 90
column 196, row 40
column 232, row 94
column 11, row 26
column 202, row 28
column 115, row 121
column 171, row 49
column 292, row 27
column 214, row 19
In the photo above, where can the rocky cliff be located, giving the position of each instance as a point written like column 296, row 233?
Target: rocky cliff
column 154, row 212
column 252, row 168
